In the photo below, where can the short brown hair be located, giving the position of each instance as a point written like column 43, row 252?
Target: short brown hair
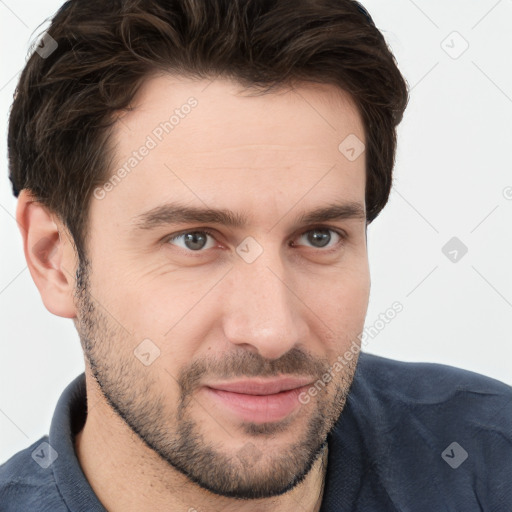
column 64, row 106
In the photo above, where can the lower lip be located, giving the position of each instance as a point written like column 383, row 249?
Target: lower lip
column 259, row 408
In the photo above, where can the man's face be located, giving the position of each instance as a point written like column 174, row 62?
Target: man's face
column 163, row 320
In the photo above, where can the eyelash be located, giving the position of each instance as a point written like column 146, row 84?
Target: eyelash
column 341, row 234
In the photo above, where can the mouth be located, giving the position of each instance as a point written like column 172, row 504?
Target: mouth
column 259, row 401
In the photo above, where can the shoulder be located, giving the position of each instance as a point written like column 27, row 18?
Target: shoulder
column 434, row 427
column 383, row 368
column 441, row 397
column 27, row 482
column 427, row 383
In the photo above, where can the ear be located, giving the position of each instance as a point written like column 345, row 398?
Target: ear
column 49, row 253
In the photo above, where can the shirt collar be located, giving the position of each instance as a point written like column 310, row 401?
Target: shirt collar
column 68, row 419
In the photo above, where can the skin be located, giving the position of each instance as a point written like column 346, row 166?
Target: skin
column 153, row 439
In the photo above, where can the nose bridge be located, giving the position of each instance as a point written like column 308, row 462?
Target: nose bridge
column 261, row 310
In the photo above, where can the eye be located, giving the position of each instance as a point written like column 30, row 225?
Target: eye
column 320, row 237
column 192, row 240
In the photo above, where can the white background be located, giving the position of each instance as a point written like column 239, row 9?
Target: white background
column 452, row 179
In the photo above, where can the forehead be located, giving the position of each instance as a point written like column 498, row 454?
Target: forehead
column 324, row 107
column 211, row 141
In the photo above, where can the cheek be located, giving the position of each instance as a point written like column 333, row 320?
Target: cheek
column 175, row 313
column 175, row 301
column 143, row 298
column 340, row 293
column 339, row 307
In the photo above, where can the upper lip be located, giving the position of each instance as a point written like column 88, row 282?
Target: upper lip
column 262, row 386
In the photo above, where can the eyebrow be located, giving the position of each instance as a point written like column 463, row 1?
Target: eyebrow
column 175, row 213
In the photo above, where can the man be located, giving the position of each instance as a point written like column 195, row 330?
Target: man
column 195, row 180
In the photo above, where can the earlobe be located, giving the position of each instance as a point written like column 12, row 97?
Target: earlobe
column 49, row 254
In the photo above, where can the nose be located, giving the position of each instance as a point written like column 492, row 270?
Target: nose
column 263, row 312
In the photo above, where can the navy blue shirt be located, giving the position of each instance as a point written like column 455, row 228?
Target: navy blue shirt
column 418, row 437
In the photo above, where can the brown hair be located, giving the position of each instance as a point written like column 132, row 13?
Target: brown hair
column 64, row 106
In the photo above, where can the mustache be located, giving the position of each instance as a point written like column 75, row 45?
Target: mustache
column 250, row 364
